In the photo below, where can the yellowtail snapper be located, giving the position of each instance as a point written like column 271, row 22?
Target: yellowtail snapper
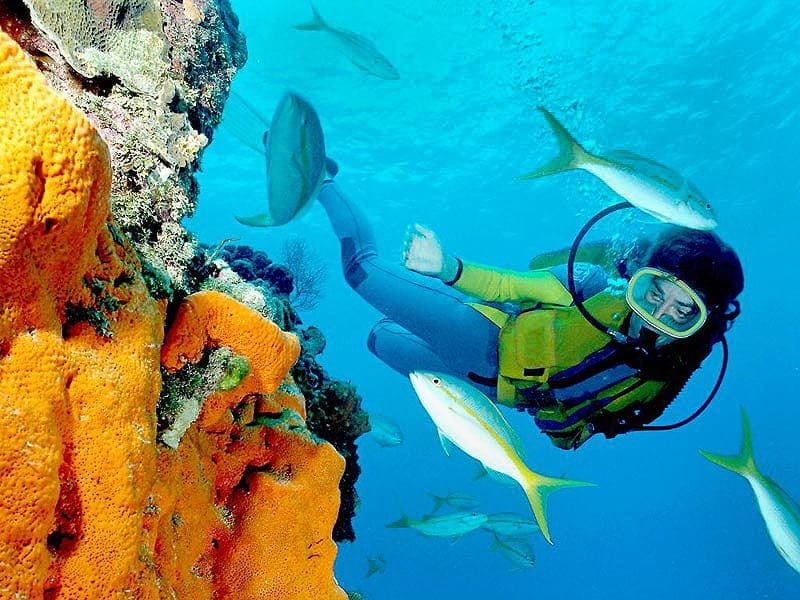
column 375, row 564
column 451, row 525
column 471, row 421
column 518, row 552
column 359, row 50
column 780, row 512
column 649, row 186
column 508, row 525
column 459, row 501
column 384, row 430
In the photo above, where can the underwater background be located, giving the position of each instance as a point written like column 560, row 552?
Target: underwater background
column 709, row 89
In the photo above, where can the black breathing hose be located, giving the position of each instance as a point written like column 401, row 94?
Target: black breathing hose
column 621, row 338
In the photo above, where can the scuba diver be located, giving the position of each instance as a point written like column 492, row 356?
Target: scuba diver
column 582, row 363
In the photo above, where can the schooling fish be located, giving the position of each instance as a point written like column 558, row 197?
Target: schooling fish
column 294, row 148
column 385, row 431
column 359, row 50
column 452, row 525
column 459, row 501
column 509, row 525
column 649, row 186
column 466, row 417
column 375, row 564
column 780, row 512
column 518, row 551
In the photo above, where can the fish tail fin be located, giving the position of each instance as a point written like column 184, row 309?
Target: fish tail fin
column 537, row 488
column 403, row 521
column 743, row 463
column 315, row 24
column 438, row 502
column 571, row 155
column 260, row 220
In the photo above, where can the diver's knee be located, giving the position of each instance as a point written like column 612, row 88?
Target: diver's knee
column 372, row 341
column 353, row 259
column 377, row 330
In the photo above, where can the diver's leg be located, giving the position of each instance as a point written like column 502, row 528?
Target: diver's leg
column 422, row 305
column 404, row 352
column 354, row 231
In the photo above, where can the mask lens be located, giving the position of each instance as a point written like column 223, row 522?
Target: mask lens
column 665, row 303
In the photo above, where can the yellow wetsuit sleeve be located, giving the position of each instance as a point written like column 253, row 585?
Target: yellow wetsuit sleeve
column 501, row 285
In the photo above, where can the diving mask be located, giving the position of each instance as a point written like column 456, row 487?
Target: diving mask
column 665, row 303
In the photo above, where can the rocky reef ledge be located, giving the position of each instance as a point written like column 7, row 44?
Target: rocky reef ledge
column 155, row 443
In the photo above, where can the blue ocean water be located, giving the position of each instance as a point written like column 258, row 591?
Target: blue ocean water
column 710, row 89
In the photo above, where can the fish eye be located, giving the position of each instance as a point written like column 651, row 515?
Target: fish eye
column 436, row 381
column 708, row 205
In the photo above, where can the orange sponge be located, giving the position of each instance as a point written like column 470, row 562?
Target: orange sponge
column 77, row 457
column 280, row 546
column 212, row 319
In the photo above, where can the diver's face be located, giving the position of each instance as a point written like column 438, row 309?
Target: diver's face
column 670, row 302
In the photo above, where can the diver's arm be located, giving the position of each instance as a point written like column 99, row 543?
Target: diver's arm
column 451, row 269
column 501, row 285
column 424, row 254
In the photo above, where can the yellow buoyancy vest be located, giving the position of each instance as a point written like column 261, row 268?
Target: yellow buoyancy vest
column 537, row 343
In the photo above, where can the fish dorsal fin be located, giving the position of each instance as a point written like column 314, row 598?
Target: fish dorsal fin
column 516, row 442
column 243, row 120
column 507, row 517
column 647, row 166
column 789, row 503
column 315, row 24
column 438, row 502
column 627, row 155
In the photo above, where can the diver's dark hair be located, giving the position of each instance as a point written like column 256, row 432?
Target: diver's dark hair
column 708, row 265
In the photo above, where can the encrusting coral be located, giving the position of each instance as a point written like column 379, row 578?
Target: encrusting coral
column 118, row 37
column 167, row 68
column 90, row 505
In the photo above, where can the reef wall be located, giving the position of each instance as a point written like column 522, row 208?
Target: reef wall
column 98, row 322
column 152, row 77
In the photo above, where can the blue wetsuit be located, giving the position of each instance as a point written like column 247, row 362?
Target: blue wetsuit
column 428, row 325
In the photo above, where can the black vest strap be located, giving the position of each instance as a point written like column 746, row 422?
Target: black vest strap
column 607, row 357
column 487, row 381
